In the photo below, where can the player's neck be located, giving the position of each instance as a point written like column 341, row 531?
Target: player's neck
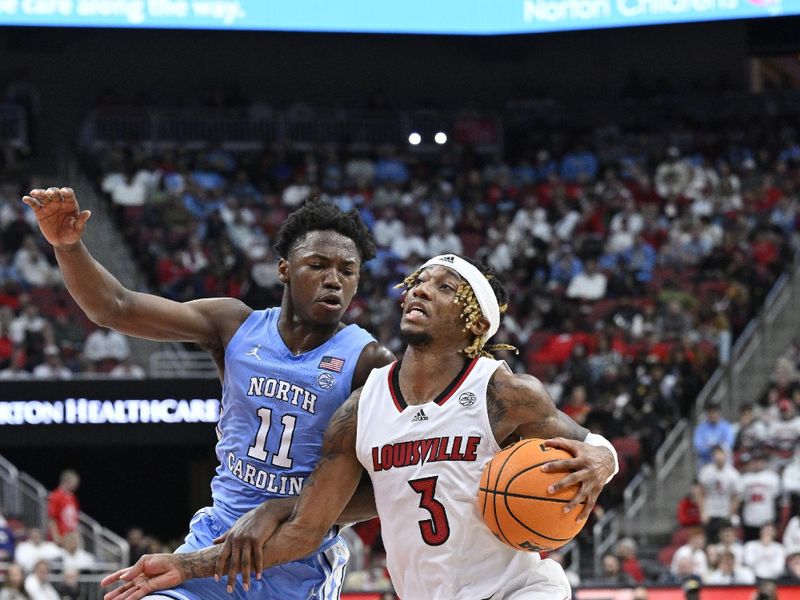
column 300, row 335
column 425, row 372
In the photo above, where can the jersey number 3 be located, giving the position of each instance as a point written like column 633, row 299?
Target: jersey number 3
column 436, row 530
column 259, row 448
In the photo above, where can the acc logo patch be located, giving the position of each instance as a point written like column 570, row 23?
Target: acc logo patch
column 326, row 381
column 467, row 399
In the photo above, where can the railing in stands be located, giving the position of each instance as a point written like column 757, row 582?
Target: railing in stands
column 740, row 380
column 605, row 534
column 634, row 498
column 289, row 128
column 670, row 452
column 26, row 499
column 181, row 363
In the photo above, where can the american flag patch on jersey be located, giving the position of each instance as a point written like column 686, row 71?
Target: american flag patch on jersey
column 331, row 363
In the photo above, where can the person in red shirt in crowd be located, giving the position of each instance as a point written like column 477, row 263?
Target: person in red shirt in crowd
column 689, row 509
column 63, row 507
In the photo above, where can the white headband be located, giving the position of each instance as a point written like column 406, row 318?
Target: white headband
column 484, row 293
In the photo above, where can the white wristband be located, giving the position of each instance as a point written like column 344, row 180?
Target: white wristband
column 594, row 439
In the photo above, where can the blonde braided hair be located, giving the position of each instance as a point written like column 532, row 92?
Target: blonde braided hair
column 471, row 312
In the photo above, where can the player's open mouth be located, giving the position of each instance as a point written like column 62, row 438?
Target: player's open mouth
column 416, row 311
column 331, row 302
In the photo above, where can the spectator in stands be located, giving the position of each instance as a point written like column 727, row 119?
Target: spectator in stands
column 6, row 540
column 729, row 573
column 63, row 507
column 673, row 322
column 688, row 511
column 720, row 486
column 52, row 367
column 33, row 267
column 388, row 228
column 750, row 432
column 128, row 370
column 766, row 590
column 613, row 573
column 783, row 433
column 67, row 332
column 589, row 284
column 729, row 542
column 105, row 347
column 791, row 535
column 28, row 327
column 34, row 548
column 640, row 593
column 691, row 588
column 14, row 586
column 711, row 432
column 577, row 405
column 73, row 557
column 761, row 488
column 137, row 543
column 38, row 585
column 127, row 188
column 69, row 588
column 16, row 368
column 626, row 550
column 792, row 569
column 444, row 241
column 791, row 481
column 765, row 556
column 694, row 550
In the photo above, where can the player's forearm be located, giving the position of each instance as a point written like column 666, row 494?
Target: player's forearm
column 292, row 541
column 198, row 564
column 97, row 292
column 361, row 506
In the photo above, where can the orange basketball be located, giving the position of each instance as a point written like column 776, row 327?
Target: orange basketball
column 514, row 502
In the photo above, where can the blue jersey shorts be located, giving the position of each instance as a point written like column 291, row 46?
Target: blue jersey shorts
column 317, row 577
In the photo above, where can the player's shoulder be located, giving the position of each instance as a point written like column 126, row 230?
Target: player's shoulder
column 373, row 356
column 222, row 311
column 505, row 383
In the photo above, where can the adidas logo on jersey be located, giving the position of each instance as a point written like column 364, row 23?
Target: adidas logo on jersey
column 420, row 416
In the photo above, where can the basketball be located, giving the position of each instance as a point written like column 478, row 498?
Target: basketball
column 514, row 502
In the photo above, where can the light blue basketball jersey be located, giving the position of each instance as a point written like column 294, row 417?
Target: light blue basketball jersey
column 275, row 408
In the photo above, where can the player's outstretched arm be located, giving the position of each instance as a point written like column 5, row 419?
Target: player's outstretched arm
column 106, row 301
column 520, row 406
column 323, row 499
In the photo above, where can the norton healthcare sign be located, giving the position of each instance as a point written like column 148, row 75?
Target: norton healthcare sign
column 462, row 17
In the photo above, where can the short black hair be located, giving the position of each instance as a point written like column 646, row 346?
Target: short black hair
column 317, row 215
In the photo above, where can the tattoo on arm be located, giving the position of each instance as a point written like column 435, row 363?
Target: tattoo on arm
column 521, row 405
column 340, row 437
column 200, row 563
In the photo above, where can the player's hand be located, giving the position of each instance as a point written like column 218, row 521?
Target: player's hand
column 589, row 469
column 59, row 216
column 242, row 546
column 151, row 573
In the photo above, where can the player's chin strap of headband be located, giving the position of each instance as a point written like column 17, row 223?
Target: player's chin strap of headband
column 484, row 293
column 595, row 439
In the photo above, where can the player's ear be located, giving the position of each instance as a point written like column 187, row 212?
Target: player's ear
column 283, row 270
column 480, row 326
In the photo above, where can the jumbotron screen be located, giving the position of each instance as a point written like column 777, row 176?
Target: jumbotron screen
column 470, row 17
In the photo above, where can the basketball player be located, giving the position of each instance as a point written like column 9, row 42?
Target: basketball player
column 423, row 429
column 284, row 372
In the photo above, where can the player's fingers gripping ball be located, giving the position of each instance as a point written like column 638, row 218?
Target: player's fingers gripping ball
column 514, row 502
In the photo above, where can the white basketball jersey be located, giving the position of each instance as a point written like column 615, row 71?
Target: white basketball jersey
column 425, row 462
